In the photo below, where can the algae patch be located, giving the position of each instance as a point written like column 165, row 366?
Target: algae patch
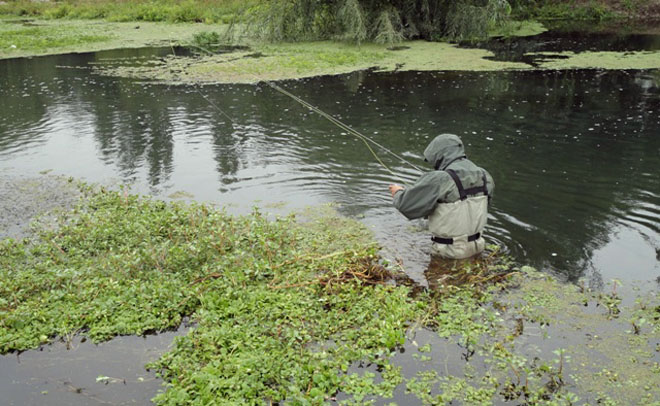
column 598, row 60
column 291, row 61
column 25, row 199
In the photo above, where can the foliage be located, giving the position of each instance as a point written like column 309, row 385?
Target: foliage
column 206, row 41
column 562, row 10
column 382, row 21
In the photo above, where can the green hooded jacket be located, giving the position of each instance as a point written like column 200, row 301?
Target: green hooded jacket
column 446, row 151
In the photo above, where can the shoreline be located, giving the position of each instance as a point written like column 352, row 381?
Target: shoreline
column 262, row 61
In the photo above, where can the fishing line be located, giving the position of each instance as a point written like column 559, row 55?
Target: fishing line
column 366, row 140
column 345, row 127
column 203, row 95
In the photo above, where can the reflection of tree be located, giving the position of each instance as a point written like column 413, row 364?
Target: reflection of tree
column 25, row 96
column 133, row 126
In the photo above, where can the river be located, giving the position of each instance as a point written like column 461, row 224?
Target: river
column 574, row 154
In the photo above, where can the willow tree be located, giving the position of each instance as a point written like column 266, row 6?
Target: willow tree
column 383, row 21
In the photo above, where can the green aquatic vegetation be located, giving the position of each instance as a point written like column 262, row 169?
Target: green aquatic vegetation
column 599, row 60
column 646, row 315
column 206, row 40
column 289, row 61
column 285, row 309
column 262, row 293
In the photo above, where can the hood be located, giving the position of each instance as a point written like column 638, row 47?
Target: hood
column 443, row 150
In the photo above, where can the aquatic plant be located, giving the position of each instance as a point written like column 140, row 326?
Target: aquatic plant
column 284, row 309
column 206, row 42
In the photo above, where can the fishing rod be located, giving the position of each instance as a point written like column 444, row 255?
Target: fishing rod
column 366, row 140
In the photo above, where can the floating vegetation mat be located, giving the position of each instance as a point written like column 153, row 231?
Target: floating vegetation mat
column 287, row 310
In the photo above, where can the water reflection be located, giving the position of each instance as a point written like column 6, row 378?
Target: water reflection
column 571, row 36
column 574, row 153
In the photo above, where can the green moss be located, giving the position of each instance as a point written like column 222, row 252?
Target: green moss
column 600, row 60
column 287, row 61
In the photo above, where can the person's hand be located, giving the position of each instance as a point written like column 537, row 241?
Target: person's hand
column 394, row 189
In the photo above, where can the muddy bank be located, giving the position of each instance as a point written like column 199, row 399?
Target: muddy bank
column 24, row 199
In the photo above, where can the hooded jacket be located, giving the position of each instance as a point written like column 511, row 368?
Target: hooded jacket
column 446, row 151
column 456, row 224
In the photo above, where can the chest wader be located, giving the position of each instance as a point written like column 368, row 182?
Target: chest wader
column 457, row 226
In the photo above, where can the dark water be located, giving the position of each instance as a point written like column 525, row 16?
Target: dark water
column 82, row 373
column 564, row 36
column 574, row 154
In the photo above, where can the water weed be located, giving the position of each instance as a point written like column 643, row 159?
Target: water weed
column 299, row 309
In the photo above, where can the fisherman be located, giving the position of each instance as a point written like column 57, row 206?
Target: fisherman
column 454, row 197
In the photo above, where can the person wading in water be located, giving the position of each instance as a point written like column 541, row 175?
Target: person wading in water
column 454, row 197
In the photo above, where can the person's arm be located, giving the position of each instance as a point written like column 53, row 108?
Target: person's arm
column 420, row 199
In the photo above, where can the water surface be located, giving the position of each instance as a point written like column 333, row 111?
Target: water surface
column 82, row 373
column 574, row 153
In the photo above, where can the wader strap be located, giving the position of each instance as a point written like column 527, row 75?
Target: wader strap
column 459, row 185
column 464, row 193
column 450, row 241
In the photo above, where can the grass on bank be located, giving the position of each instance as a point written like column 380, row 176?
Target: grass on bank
column 41, row 37
column 28, row 39
column 206, row 11
column 284, row 308
column 225, row 11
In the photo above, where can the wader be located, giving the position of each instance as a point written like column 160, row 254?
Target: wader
column 457, row 226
